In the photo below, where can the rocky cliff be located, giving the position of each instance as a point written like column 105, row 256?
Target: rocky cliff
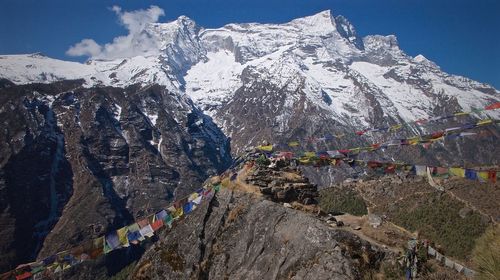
column 75, row 162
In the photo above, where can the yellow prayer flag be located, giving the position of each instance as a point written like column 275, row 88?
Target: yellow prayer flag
column 483, row 175
column 457, row 171
column 122, row 236
column 340, row 135
column 178, row 213
column 193, row 196
column 293, row 144
column 396, row 127
column 309, row 154
column 268, row 148
column 484, row 122
column 460, row 114
column 304, row 160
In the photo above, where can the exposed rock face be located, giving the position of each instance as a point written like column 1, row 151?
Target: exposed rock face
column 76, row 161
column 240, row 236
column 283, row 185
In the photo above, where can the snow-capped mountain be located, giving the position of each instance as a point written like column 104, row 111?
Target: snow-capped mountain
column 132, row 133
column 313, row 66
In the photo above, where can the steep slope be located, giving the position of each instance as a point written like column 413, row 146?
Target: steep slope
column 99, row 156
column 244, row 237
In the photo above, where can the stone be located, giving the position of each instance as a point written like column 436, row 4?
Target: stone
column 374, row 220
column 464, row 212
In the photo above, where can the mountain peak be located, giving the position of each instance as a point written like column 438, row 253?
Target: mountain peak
column 322, row 22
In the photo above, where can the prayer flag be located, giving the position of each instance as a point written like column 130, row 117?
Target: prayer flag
column 198, row 200
column 483, row 175
column 493, row 106
column 217, row 188
column 267, row 148
column 168, row 220
column 335, row 154
column 188, row 207
column 484, row 122
column 361, row 132
column 421, row 170
column 492, row 176
column 457, row 171
column 112, row 240
column 23, row 276
column 122, row 236
column 310, row 154
column 161, row 215
column 134, row 236
column 461, row 114
column 97, row 247
column 391, row 168
column 156, row 225
column 293, row 144
column 396, row 127
column 470, row 174
column 147, row 231
column 421, row 121
column 193, row 196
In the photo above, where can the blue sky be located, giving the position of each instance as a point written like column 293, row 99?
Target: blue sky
column 461, row 36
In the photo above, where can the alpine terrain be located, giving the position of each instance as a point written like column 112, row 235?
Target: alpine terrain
column 89, row 147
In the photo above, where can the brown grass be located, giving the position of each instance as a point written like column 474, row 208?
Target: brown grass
column 486, row 254
column 235, row 213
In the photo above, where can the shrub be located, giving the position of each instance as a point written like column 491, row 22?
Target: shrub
column 333, row 200
column 263, row 161
column 437, row 219
column 486, row 254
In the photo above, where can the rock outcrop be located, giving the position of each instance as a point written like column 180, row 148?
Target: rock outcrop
column 241, row 236
column 283, row 185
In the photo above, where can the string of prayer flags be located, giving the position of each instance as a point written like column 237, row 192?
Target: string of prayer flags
column 328, row 158
column 121, row 238
column 397, row 127
column 424, row 140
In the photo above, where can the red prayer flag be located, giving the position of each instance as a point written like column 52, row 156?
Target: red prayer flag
column 157, row 224
column 420, row 121
column 391, row 168
column 438, row 134
column 493, row 106
column 25, row 275
column 492, row 176
column 374, row 164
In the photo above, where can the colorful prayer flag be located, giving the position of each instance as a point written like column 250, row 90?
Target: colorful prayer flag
column 122, row 236
column 267, row 148
column 112, row 240
column 293, row 144
column 493, row 106
column 457, row 171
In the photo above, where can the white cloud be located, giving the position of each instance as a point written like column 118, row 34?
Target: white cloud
column 87, row 47
column 135, row 43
